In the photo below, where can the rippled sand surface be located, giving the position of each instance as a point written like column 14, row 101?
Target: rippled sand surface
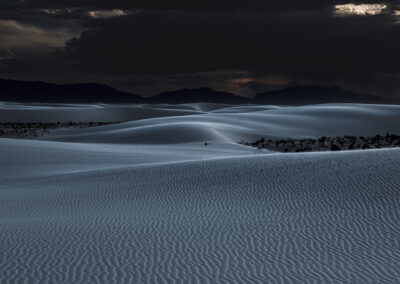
column 124, row 209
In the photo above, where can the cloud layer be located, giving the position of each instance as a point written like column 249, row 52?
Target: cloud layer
column 354, row 45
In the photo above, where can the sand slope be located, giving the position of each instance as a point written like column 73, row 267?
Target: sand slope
column 320, row 217
column 162, row 210
column 14, row 112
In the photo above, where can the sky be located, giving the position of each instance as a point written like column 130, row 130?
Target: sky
column 240, row 46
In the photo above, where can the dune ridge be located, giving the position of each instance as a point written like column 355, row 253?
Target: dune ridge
column 246, row 123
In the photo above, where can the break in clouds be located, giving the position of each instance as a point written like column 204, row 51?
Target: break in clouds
column 243, row 47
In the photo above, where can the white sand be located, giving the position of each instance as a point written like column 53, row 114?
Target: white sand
column 165, row 208
column 229, row 124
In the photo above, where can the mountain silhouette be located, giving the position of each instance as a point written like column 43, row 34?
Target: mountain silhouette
column 315, row 95
column 198, row 95
column 24, row 91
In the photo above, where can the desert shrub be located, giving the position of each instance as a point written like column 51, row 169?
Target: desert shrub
column 365, row 146
column 335, row 147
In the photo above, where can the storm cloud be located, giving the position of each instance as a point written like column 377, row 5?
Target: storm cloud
column 310, row 42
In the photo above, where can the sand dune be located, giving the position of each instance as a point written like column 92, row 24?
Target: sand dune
column 246, row 123
column 85, row 113
column 231, row 220
column 166, row 208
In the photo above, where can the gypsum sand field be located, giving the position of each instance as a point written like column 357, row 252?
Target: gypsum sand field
column 32, row 130
column 121, row 211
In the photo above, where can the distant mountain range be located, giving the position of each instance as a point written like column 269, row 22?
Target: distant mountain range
column 199, row 95
column 23, row 91
column 317, row 95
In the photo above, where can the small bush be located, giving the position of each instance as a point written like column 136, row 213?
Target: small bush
column 335, row 147
column 365, row 146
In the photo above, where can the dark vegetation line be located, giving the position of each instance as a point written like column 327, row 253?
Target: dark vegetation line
column 36, row 129
column 327, row 143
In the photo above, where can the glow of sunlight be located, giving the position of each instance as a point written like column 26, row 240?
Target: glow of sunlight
column 360, row 10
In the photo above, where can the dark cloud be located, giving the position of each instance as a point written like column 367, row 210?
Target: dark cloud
column 196, row 5
column 172, row 43
column 179, row 42
column 205, row 5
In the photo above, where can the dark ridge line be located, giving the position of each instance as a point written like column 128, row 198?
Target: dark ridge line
column 335, row 143
column 41, row 92
column 19, row 130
